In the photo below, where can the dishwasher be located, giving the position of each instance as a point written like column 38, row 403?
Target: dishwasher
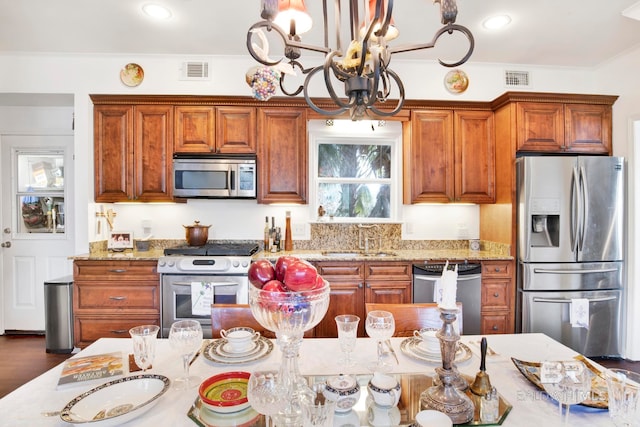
column 425, row 276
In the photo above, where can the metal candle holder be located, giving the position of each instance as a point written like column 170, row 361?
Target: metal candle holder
column 448, row 396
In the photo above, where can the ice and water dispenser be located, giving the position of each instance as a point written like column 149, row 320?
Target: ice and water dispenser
column 545, row 223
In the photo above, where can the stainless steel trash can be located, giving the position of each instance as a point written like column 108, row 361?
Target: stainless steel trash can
column 58, row 312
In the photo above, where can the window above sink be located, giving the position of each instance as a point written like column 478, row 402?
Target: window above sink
column 355, row 169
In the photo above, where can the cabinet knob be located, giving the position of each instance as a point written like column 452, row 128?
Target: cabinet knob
column 368, row 286
column 496, row 294
column 497, row 269
column 359, row 285
column 494, row 327
column 118, row 331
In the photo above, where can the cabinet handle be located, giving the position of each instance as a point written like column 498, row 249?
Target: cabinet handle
column 118, row 270
column 494, row 327
column 496, row 294
column 118, row 298
column 118, row 331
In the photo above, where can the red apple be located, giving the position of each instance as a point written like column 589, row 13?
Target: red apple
column 274, row 286
column 300, row 276
column 260, row 272
column 281, row 265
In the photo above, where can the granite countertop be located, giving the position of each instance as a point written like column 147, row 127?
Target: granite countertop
column 391, row 255
column 319, row 255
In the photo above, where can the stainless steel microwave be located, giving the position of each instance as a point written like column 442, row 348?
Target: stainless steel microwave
column 214, row 176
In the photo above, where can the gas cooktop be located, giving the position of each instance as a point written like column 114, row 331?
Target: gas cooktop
column 215, row 249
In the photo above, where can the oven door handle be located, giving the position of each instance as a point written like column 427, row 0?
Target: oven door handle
column 206, row 281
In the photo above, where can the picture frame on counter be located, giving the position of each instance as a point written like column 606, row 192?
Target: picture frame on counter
column 120, row 240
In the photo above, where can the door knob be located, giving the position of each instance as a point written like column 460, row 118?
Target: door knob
column 6, row 244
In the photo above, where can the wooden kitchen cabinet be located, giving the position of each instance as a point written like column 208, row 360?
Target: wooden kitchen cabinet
column 497, row 302
column 282, row 155
column 558, row 127
column 133, row 153
column 209, row 129
column 355, row 283
column 449, row 156
column 111, row 297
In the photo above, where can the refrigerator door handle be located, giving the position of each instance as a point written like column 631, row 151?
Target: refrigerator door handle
column 568, row 300
column 587, row 271
column 585, row 206
column 575, row 209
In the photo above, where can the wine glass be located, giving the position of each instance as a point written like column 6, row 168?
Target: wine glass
column 144, row 345
column 266, row 394
column 567, row 382
column 380, row 325
column 347, row 333
column 185, row 336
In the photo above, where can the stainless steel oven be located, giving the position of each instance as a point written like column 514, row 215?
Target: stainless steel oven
column 186, row 271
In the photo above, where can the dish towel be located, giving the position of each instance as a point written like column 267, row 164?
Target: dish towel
column 201, row 298
column 579, row 315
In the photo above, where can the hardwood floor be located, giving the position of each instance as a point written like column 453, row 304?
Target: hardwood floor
column 24, row 358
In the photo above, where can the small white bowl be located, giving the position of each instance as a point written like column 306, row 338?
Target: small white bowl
column 431, row 418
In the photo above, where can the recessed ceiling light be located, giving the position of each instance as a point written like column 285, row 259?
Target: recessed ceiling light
column 496, row 22
column 156, row 11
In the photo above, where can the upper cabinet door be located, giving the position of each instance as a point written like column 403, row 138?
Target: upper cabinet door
column 429, row 158
column 236, row 129
column 282, row 155
column 195, row 129
column 540, row 126
column 588, row 128
column 153, row 159
column 475, row 146
column 113, row 152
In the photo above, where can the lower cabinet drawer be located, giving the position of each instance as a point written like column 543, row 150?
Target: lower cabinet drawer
column 495, row 323
column 495, row 295
column 108, row 296
column 88, row 329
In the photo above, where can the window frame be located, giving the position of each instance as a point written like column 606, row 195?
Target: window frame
column 365, row 133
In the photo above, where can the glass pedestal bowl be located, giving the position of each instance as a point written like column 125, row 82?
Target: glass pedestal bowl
column 289, row 315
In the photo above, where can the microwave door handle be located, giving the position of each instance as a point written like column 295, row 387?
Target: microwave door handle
column 233, row 188
column 568, row 300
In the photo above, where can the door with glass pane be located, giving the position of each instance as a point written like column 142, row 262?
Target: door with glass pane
column 36, row 234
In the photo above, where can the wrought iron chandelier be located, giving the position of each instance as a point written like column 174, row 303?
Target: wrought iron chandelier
column 363, row 67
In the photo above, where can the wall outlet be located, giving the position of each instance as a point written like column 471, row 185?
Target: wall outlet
column 297, row 230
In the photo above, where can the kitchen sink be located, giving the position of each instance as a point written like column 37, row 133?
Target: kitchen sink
column 352, row 254
column 341, row 254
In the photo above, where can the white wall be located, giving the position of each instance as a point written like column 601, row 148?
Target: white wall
column 615, row 77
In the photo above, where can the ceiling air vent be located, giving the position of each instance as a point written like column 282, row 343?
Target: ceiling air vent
column 195, row 70
column 517, row 79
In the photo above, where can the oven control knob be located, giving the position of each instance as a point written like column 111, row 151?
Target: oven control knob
column 245, row 264
column 235, row 264
column 161, row 263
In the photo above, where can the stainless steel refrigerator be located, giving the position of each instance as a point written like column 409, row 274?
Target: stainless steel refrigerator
column 570, row 248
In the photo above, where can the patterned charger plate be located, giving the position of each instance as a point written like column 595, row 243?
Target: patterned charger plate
column 214, row 352
column 410, row 347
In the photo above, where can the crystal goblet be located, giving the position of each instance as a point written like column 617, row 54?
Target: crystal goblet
column 185, row 336
column 144, row 345
column 347, row 325
column 380, row 325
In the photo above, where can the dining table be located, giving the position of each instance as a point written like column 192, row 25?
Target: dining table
column 318, row 357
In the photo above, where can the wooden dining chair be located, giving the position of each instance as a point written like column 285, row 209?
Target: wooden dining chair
column 225, row 316
column 411, row 317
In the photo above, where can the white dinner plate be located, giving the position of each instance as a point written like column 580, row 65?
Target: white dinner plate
column 116, row 401
column 214, row 352
column 410, row 347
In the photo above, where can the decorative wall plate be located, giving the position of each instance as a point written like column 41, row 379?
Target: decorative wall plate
column 456, row 81
column 132, row 74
